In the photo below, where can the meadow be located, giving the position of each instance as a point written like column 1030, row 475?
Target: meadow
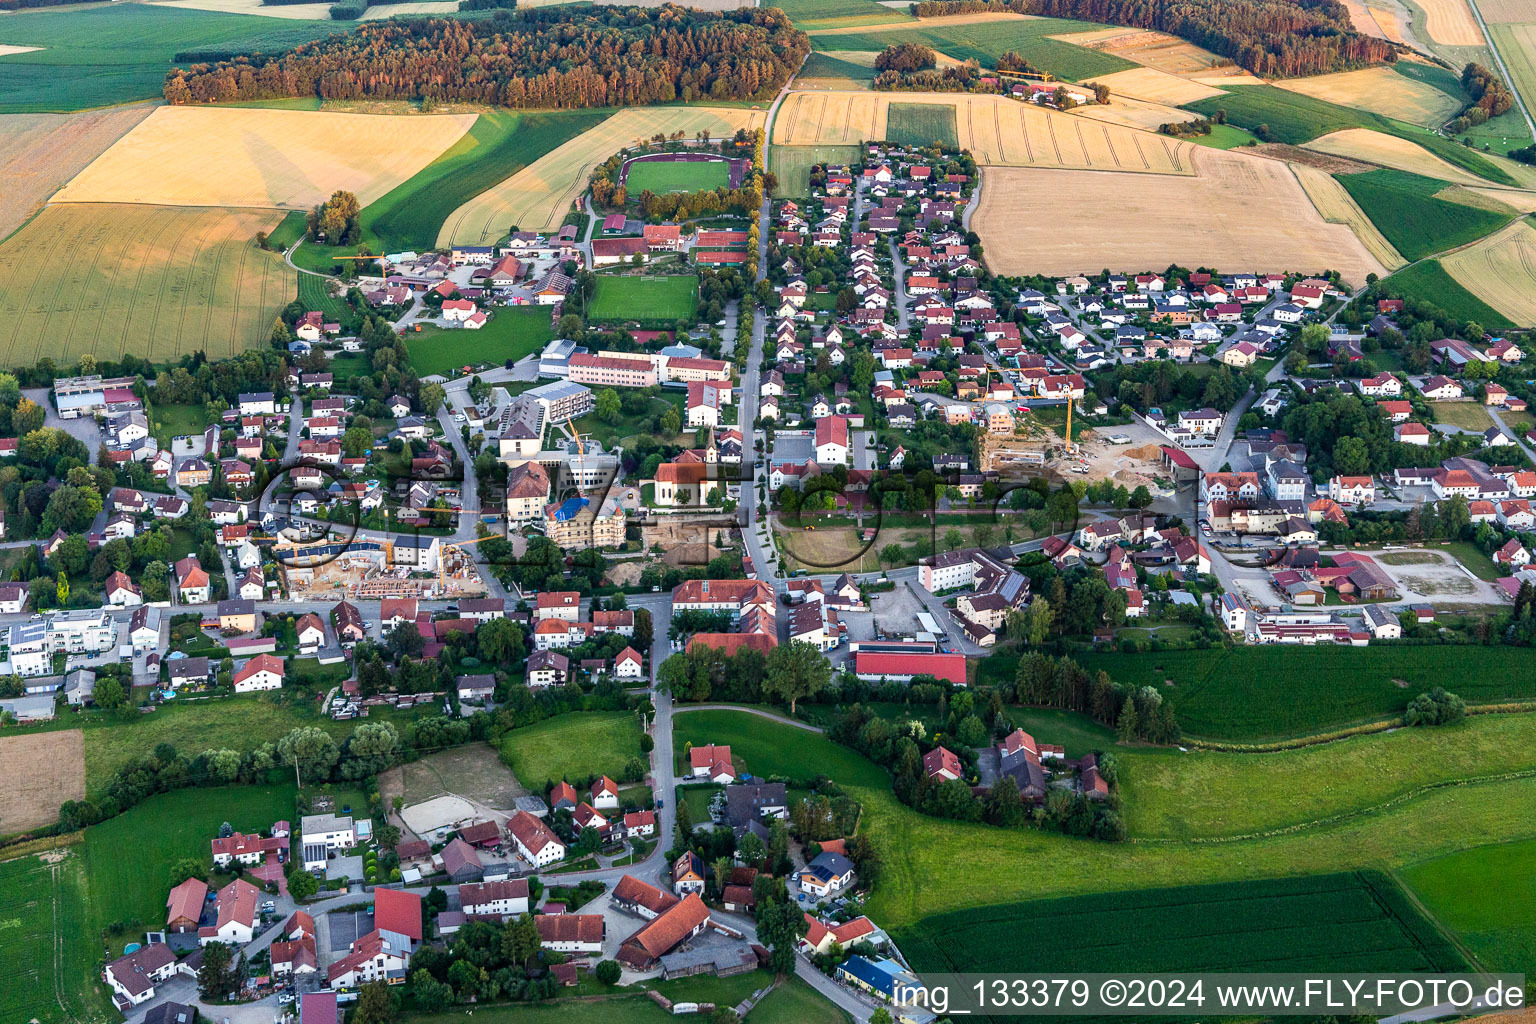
column 1294, row 119
column 644, row 298
column 985, row 41
column 921, row 124
column 315, row 293
column 1404, row 207
column 511, row 333
column 102, row 55
column 793, row 165
column 662, row 176
column 1355, row 921
column 836, row 70
column 1429, row 280
column 1261, row 694
column 50, row 959
column 810, row 15
column 162, row 282
column 930, row 866
column 571, row 746
column 1487, row 896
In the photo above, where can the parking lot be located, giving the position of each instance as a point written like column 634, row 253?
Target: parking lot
column 894, row 612
column 346, row 927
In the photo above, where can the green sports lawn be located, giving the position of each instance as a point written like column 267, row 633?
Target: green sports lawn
column 661, row 176
column 1403, row 206
column 571, row 746
column 512, row 332
column 1487, row 896
column 629, row 297
column 930, row 866
column 1428, row 280
column 985, row 42
column 922, row 124
column 101, row 55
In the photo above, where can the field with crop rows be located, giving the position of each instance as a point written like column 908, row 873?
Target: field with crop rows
column 96, row 56
column 1025, row 229
column 1336, row 207
column 1501, row 270
column 160, row 281
column 1517, row 45
column 921, row 124
column 811, row 15
column 41, row 152
column 1357, row 921
column 1428, row 280
column 214, row 156
column 29, row 890
column 985, row 40
column 839, row 69
column 537, row 197
column 644, row 298
column 1382, row 90
column 1154, row 85
column 1450, row 22
column 1256, row 694
column 1417, row 224
column 1161, row 52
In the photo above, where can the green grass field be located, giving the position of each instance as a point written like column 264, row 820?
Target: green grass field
column 661, row 176
column 315, row 294
column 1294, row 118
column 813, row 14
column 28, row 889
column 644, row 298
column 987, row 41
column 1358, row 921
column 101, row 55
column 289, row 231
column 1259, row 694
column 820, row 65
column 1207, row 793
column 931, row 866
column 922, row 124
column 511, row 333
column 168, row 421
column 626, row 1005
column 1403, row 206
column 795, row 1002
column 572, row 746
column 1223, row 136
column 793, row 165
column 1428, row 280
column 1487, row 896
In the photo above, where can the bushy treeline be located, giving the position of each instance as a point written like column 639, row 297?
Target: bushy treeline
column 542, row 58
column 1271, row 38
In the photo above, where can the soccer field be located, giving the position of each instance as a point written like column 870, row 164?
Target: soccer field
column 644, row 298
column 676, row 176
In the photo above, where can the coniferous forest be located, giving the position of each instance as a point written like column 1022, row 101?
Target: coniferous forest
column 538, row 58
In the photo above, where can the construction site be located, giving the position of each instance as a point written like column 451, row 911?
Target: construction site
column 373, row 569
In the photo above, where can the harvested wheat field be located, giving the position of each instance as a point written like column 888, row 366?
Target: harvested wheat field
column 1391, row 19
column 1165, row 53
column 1501, row 270
column 1139, row 114
column 41, row 771
column 899, row 26
column 1382, row 90
column 40, row 152
column 1337, row 206
column 159, row 281
column 1389, row 151
column 998, row 131
column 1506, row 12
column 1519, row 200
column 293, row 159
column 1361, row 21
column 538, row 196
column 1450, row 23
column 1155, row 86
column 1235, row 212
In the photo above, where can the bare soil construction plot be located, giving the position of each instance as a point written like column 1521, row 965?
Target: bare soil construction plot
column 40, row 152
column 202, row 156
column 537, row 197
column 1501, row 270
column 1337, row 206
column 1252, row 214
column 1389, row 151
column 1450, row 23
column 159, row 281
column 998, row 131
column 1158, row 86
column 1381, row 90
column 41, row 771
column 474, row 772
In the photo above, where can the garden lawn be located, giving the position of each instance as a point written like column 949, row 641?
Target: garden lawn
column 930, row 866
column 639, row 298
column 986, row 41
column 572, row 746
column 1428, row 281
column 795, row 1002
column 168, row 421
column 286, row 233
column 1357, row 921
column 922, row 124
column 660, row 176
column 1469, row 415
column 1202, row 793
column 1487, row 896
column 1403, row 206
column 1263, row 694
column 1294, row 118
column 512, row 332
column 793, row 164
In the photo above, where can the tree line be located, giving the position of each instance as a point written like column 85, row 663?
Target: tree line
column 1271, row 38
column 541, row 58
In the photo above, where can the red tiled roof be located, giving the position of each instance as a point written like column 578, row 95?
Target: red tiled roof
column 397, row 911
column 661, row 935
column 570, row 927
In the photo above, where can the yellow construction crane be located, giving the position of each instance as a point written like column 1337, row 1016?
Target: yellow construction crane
column 581, row 456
